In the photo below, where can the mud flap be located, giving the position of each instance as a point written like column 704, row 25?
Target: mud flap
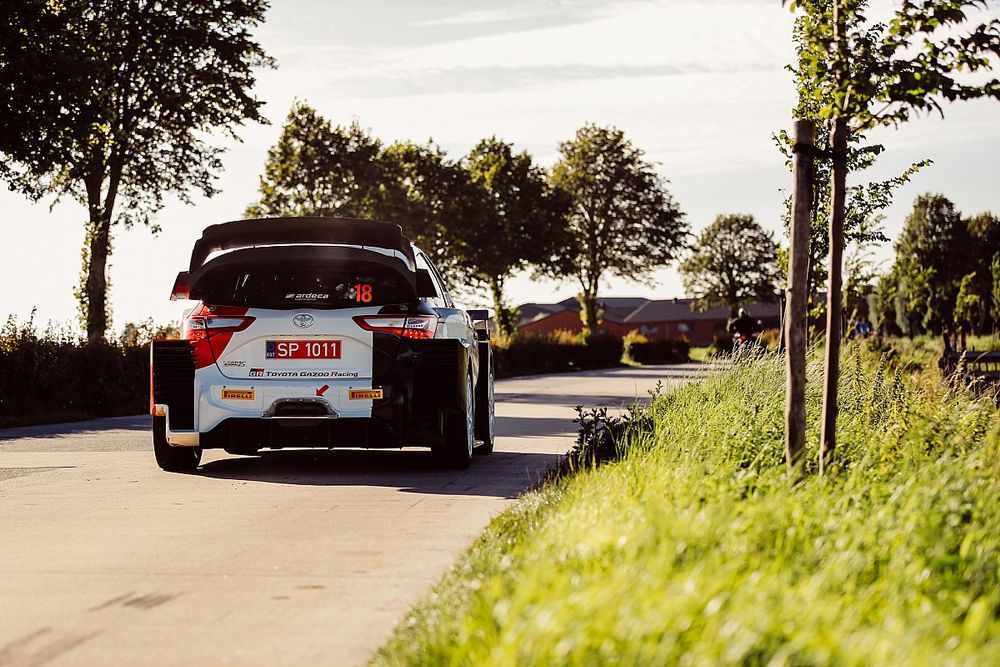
column 439, row 371
column 172, row 380
column 482, row 392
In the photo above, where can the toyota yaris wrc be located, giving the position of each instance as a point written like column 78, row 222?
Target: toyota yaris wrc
column 319, row 332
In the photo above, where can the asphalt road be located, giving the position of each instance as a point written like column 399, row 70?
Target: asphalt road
column 295, row 557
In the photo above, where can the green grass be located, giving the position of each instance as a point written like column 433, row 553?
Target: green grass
column 700, row 353
column 696, row 549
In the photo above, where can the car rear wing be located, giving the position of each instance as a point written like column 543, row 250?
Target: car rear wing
column 292, row 231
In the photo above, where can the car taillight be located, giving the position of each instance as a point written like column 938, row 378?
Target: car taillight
column 209, row 330
column 404, row 326
column 198, row 327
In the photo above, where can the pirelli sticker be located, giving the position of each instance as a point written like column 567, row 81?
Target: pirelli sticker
column 238, row 394
column 364, row 394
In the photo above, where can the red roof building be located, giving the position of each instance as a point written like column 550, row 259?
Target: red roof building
column 656, row 319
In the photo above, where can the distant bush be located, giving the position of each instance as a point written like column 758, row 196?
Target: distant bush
column 659, row 352
column 54, row 376
column 562, row 351
column 632, row 338
column 567, row 337
column 558, row 352
column 722, row 343
column 771, row 338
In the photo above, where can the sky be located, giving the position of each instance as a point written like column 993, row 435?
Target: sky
column 700, row 86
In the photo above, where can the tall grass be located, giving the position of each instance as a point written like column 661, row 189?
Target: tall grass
column 695, row 548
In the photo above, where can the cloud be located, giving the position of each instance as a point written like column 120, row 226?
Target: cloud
column 492, row 79
column 608, row 40
column 477, row 17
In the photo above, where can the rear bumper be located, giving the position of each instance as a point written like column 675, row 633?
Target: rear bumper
column 423, row 387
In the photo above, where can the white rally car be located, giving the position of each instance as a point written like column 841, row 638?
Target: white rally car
column 319, row 332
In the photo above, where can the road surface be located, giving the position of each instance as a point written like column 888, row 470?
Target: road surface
column 295, row 557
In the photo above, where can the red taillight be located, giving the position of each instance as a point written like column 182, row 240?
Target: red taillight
column 404, row 326
column 210, row 329
column 198, row 327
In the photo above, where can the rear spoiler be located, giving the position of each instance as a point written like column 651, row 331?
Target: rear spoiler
column 281, row 231
column 182, row 287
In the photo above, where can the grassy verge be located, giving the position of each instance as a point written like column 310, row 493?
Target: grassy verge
column 694, row 548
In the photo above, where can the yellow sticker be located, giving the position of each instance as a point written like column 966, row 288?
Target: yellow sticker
column 238, row 394
column 364, row 394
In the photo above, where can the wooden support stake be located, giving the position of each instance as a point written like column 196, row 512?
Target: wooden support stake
column 834, row 293
column 795, row 311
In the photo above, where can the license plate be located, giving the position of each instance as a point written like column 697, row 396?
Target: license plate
column 303, row 349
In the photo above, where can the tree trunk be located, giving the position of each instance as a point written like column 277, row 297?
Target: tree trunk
column 95, row 293
column 501, row 314
column 834, row 296
column 796, row 315
column 589, row 315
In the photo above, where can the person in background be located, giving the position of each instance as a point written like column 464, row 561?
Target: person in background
column 863, row 327
column 745, row 325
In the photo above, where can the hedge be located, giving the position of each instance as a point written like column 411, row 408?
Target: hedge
column 44, row 381
column 659, row 352
column 562, row 351
column 542, row 354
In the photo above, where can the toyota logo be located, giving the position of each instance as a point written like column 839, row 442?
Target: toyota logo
column 303, row 320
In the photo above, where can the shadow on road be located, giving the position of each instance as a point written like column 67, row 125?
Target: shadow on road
column 140, row 423
column 674, row 374
column 501, row 475
column 572, row 400
column 530, row 427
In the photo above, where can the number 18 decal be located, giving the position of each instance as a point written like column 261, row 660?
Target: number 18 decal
column 363, row 293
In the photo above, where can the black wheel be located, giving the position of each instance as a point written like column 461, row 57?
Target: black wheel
column 459, row 436
column 172, row 459
column 485, row 416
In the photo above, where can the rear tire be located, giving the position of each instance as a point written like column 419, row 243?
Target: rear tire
column 172, row 459
column 485, row 416
column 459, row 436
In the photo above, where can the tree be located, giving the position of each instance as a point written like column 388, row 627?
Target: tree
column 864, row 203
column 109, row 103
column 862, row 75
column 318, row 169
column 622, row 220
column 931, row 260
column 941, row 253
column 522, row 226
column 967, row 307
column 880, row 74
column 434, row 201
column 995, row 291
column 888, row 305
column 734, row 261
column 984, row 232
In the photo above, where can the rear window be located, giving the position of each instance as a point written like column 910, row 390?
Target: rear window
column 310, row 289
